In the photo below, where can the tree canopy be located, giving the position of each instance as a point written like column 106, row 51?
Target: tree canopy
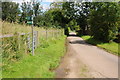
column 98, row 19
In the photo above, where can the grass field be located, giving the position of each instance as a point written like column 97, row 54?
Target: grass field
column 47, row 57
column 11, row 28
column 111, row 47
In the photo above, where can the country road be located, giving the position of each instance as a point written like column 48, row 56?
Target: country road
column 83, row 60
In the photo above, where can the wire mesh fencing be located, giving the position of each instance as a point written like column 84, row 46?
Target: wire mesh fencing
column 16, row 46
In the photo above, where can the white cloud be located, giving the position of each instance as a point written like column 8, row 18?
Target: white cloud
column 52, row 0
column 47, row 0
column 20, row 1
column 45, row 6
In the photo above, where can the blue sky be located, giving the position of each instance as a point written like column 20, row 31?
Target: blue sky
column 44, row 3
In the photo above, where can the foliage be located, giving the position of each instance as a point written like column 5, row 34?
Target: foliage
column 69, row 11
column 56, row 5
column 15, row 48
column 83, row 10
column 37, row 12
column 27, row 11
column 72, row 24
column 39, row 65
column 10, row 11
column 55, row 17
column 103, row 21
column 66, row 31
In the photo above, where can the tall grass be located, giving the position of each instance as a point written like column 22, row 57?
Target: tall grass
column 0, row 50
column 15, row 48
column 11, row 28
column 46, row 59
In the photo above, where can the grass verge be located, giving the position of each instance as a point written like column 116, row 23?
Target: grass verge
column 47, row 57
column 111, row 47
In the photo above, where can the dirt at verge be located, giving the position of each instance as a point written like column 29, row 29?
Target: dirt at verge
column 71, row 66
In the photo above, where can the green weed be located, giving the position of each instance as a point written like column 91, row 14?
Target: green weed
column 41, row 64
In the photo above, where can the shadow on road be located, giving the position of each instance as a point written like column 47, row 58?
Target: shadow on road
column 76, row 41
column 79, row 42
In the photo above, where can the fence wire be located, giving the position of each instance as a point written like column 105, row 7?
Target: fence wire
column 16, row 46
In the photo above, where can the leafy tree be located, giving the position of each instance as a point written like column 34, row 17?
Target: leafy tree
column 26, row 11
column 10, row 11
column 103, row 21
column 83, row 10
column 56, row 5
column 69, row 11
column 57, row 16
column 37, row 12
column 72, row 24
column 78, row 12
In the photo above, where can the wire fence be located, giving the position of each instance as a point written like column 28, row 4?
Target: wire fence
column 16, row 46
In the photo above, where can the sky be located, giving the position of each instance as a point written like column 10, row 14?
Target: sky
column 44, row 3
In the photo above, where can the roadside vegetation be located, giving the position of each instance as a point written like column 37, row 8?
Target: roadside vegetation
column 100, row 20
column 47, row 58
column 17, row 59
column 17, row 56
column 12, row 28
column 111, row 47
